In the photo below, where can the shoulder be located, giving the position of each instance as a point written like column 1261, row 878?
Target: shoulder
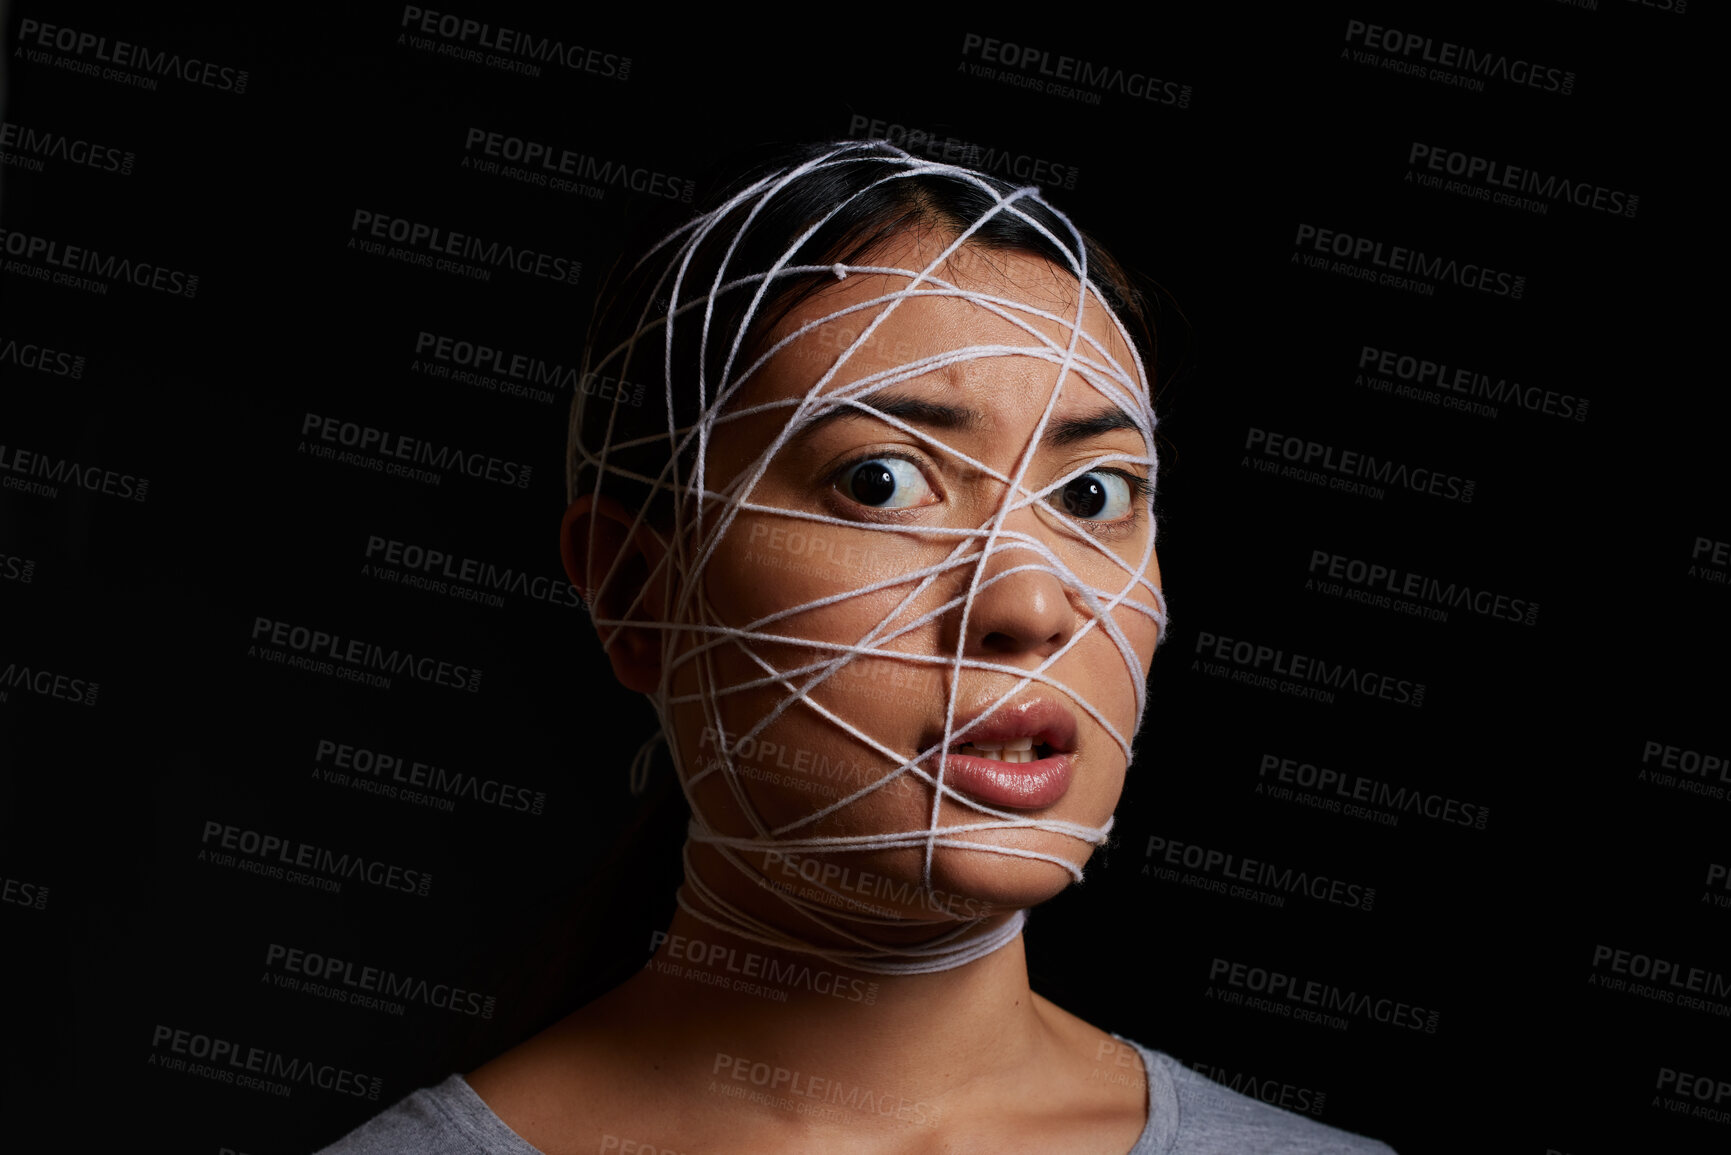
column 449, row 1119
column 1190, row 1114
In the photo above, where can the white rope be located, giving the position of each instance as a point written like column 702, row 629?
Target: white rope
column 692, row 633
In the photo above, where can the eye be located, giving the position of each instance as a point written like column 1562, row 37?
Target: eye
column 1103, row 495
column 885, row 483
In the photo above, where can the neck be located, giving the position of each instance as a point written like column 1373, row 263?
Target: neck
column 752, row 908
column 737, row 1005
column 743, row 1046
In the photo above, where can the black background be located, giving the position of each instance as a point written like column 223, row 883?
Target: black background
column 103, row 806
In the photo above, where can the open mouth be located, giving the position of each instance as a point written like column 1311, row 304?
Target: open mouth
column 1020, row 755
column 1011, row 750
column 1015, row 732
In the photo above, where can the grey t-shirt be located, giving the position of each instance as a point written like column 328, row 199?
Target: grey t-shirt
column 1188, row 1114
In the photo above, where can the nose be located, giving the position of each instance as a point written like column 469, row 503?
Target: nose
column 1020, row 608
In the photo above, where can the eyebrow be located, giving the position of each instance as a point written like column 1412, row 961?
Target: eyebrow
column 1070, row 430
column 936, row 415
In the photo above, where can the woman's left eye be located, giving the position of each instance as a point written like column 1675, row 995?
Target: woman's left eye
column 1102, row 495
column 886, row 483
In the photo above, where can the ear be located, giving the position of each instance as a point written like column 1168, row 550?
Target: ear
column 612, row 559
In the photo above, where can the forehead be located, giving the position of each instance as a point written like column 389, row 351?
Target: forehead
column 974, row 298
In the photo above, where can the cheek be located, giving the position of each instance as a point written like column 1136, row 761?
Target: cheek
column 764, row 572
column 1112, row 681
column 803, row 761
column 771, row 567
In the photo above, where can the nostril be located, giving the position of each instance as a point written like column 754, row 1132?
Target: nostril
column 998, row 642
column 1018, row 610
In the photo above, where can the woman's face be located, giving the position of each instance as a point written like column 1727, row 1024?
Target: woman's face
column 808, row 744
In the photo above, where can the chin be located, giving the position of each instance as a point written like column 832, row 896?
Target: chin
column 1000, row 882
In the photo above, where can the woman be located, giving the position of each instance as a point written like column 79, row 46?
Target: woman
column 878, row 542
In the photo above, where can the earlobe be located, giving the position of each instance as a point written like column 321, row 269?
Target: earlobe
column 611, row 558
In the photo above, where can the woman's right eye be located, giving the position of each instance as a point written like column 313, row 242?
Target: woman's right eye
column 885, row 483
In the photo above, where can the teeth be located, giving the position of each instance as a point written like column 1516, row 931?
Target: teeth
column 1016, row 750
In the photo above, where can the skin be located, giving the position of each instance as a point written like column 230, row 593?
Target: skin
column 963, row 1060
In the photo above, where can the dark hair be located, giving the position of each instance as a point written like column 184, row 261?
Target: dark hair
column 770, row 211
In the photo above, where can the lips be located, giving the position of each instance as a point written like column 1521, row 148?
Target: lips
column 1022, row 757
